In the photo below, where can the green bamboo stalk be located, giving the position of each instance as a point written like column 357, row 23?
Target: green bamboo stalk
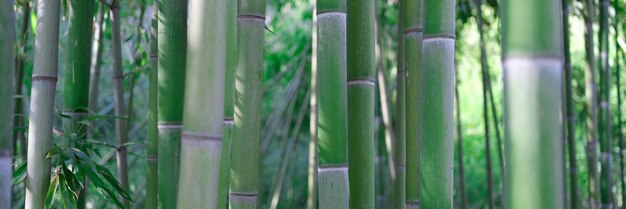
column 437, row 115
column 399, row 155
column 618, row 84
column 361, row 96
column 19, row 138
column 412, row 31
column 312, row 196
column 172, row 58
column 229, row 96
column 533, row 52
column 592, row 116
column 152, row 179
column 204, row 105
column 605, row 109
column 245, row 163
column 459, row 140
column 78, row 54
column 570, row 109
column 7, row 44
column 121, row 124
column 42, row 102
column 96, row 60
column 332, row 118
column 485, row 75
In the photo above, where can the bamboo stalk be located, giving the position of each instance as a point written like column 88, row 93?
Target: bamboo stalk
column 229, row 97
column 437, row 116
column 42, row 102
column 332, row 115
column 76, row 93
column 592, row 116
column 312, row 197
column 605, row 108
column 412, row 31
column 361, row 84
column 244, row 172
column 121, row 124
column 7, row 44
column 570, row 109
column 399, row 154
column 96, row 60
column 485, row 75
column 459, row 140
column 171, row 92
column 152, row 179
column 533, row 65
column 203, row 127
column 19, row 138
column 618, row 84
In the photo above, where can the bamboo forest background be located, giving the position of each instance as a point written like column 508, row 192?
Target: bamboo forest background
column 287, row 92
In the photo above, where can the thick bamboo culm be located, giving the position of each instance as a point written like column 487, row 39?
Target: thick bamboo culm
column 7, row 41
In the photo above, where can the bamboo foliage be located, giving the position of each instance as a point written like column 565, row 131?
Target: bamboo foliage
column 413, row 35
column 229, row 96
column 532, row 90
column 202, row 127
column 171, row 76
column 7, row 24
column 332, row 105
column 152, row 179
column 245, row 150
column 437, row 115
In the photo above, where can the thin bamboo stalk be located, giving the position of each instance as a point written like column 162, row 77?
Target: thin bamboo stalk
column 44, row 82
column 203, row 128
column 312, row 197
column 485, row 75
column 533, row 65
column 121, row 124
column 570, row 110
column 459, row 141
column 229, row 97
column 245, row 161
column 19, row 138
column 96, row 60
column 605, row 108
column 592, row 115
column 399, row 154
column 7, row 44
column 618, row 84
column 412, row 31
column 152, row 179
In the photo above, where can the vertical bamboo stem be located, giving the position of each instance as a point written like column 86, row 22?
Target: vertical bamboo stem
column 152, row 179
column 533, row 102
column 570, row 109
column 7, row 44
column 605, row 108
column 399, row 155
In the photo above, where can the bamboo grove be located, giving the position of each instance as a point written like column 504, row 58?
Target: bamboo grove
column 329, row 104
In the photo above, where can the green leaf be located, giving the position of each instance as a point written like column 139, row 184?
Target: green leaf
column 19, row 174
column 113, row 182
column 52, row 191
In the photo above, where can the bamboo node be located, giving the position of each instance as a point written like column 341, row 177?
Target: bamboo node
column 201, row 136
column 365, row 82
column 48, row 78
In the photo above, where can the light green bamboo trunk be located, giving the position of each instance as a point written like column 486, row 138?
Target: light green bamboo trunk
column 412, row 32
column 437, row 114
column 399, row 188
column 605, row 118
column 333, row 185
column 152, row 179
column 229, row 96
column 77, row 71
column 312, row 197
column 533, row 64
column 7, row 41
column 42, row 102
column 204, row 105
column 245, row 150
column 361, row 96
column 171, row 76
